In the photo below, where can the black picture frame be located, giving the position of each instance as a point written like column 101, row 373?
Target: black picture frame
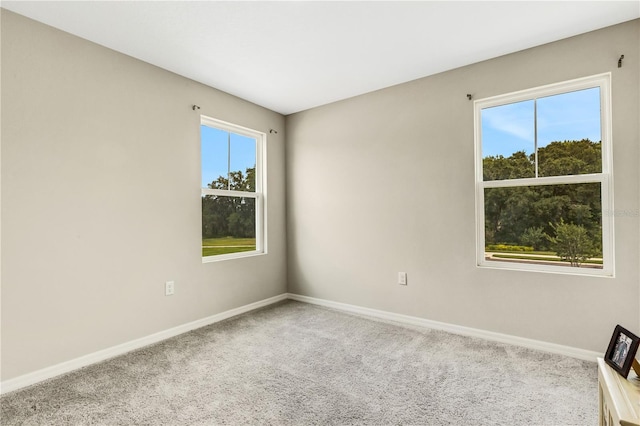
column 622, row 350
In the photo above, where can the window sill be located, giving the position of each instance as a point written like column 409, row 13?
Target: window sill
column 230, row 256
column 549, row 269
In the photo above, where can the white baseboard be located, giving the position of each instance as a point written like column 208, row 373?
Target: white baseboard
column 455, row 329
column 102, row 355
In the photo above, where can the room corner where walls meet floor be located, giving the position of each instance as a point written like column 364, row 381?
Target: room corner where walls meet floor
column 96, row 357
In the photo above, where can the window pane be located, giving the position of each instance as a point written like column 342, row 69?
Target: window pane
column 508, row 141
column 214, row 157
column 551, row 224
column 569, row 133
column 243, row 163
column 228, row 225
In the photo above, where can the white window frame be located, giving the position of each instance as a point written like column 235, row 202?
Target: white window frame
column 260, row 185
column 605, row 178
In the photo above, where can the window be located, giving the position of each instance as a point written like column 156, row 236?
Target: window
column 543, row 179
column 232, row 191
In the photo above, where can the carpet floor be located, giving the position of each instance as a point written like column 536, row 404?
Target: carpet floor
column 298, row 364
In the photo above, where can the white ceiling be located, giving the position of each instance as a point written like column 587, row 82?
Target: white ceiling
column 293, row 55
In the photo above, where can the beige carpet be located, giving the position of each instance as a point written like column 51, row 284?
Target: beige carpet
column 299, row 364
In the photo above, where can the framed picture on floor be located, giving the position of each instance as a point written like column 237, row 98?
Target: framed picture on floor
column 622, row 350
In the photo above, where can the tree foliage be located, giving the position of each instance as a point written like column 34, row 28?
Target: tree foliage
column 524, row 215
column 571, row 243
column 534, row 237
column 225, row 216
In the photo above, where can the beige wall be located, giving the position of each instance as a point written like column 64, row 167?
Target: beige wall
column 384, row 182
column 101, row 200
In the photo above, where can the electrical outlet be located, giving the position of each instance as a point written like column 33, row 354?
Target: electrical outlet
column 402, row 278
column 169, row 288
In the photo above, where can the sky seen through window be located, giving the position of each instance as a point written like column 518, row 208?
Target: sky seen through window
column 568, row 116
column 223, row 152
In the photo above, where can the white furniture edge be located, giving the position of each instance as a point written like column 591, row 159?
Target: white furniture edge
column 572, row 352
column 102, row 355
column 618, row 393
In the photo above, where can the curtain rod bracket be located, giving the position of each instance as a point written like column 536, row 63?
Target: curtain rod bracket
column 469, row 96
column 195, row 107
column 620, row 61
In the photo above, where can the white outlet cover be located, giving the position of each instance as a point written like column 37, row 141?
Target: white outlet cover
column 402, row 278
